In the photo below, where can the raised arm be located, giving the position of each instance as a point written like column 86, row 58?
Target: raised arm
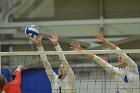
column 108, row 67
column 54, row 40
column 46, row 64
column 105, row 41
column 129, row 61
column 17, row 80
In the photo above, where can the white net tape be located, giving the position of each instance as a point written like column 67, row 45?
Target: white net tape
column 70, row 52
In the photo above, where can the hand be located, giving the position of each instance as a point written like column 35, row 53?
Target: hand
column 21, row 67
column 100, row 37
column 54, row 38
column 38, row 41
column 76, row 46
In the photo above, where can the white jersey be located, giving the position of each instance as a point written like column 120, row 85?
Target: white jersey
column 127, row 78
column 67, row 85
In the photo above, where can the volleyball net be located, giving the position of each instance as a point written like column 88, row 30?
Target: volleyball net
column 90, row 76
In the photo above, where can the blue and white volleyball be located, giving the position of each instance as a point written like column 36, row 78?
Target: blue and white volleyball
column 31, row 31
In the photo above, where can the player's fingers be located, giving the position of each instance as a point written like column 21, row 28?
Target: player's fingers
column 34, row 39
column 74, row 44
column 78, row 44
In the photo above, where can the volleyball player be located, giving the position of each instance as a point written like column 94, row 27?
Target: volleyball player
column 13, row 86
column 126, row 73
column 64, row 82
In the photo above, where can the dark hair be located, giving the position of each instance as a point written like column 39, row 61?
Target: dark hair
column 2, row 81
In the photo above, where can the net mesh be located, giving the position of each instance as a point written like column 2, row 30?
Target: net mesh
column 90, row 76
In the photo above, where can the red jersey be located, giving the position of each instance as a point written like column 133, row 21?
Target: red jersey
column 14, row 86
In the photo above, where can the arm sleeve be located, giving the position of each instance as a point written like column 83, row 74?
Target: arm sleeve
column 17, row 80
column 131, row 64
column 62, row 57
column 48, row 69
column 108, row 67
column 66, row 64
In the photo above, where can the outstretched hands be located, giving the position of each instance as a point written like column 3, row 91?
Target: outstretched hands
column 21, row 67
column 100, row 37
column 75, row 46
column 38, row 41
column 54, row 38
column 105, row 41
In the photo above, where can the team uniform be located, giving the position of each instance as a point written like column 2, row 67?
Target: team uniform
column 67, row 85
column 127, row 78
column 14, row 86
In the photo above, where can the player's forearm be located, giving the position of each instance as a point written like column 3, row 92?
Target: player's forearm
column 61, row 56
column 17, row 79
column 43, row 56
column 108, row 67
column 39, row 44
column 18, row 74
column 44, row 59
column 90, row 56
column 57, row 47
column 109, row 44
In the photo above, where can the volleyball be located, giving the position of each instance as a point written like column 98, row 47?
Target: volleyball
column 31, row 31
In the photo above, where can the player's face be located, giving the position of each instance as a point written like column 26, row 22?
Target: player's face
column 121, row 63
column 62, row 73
